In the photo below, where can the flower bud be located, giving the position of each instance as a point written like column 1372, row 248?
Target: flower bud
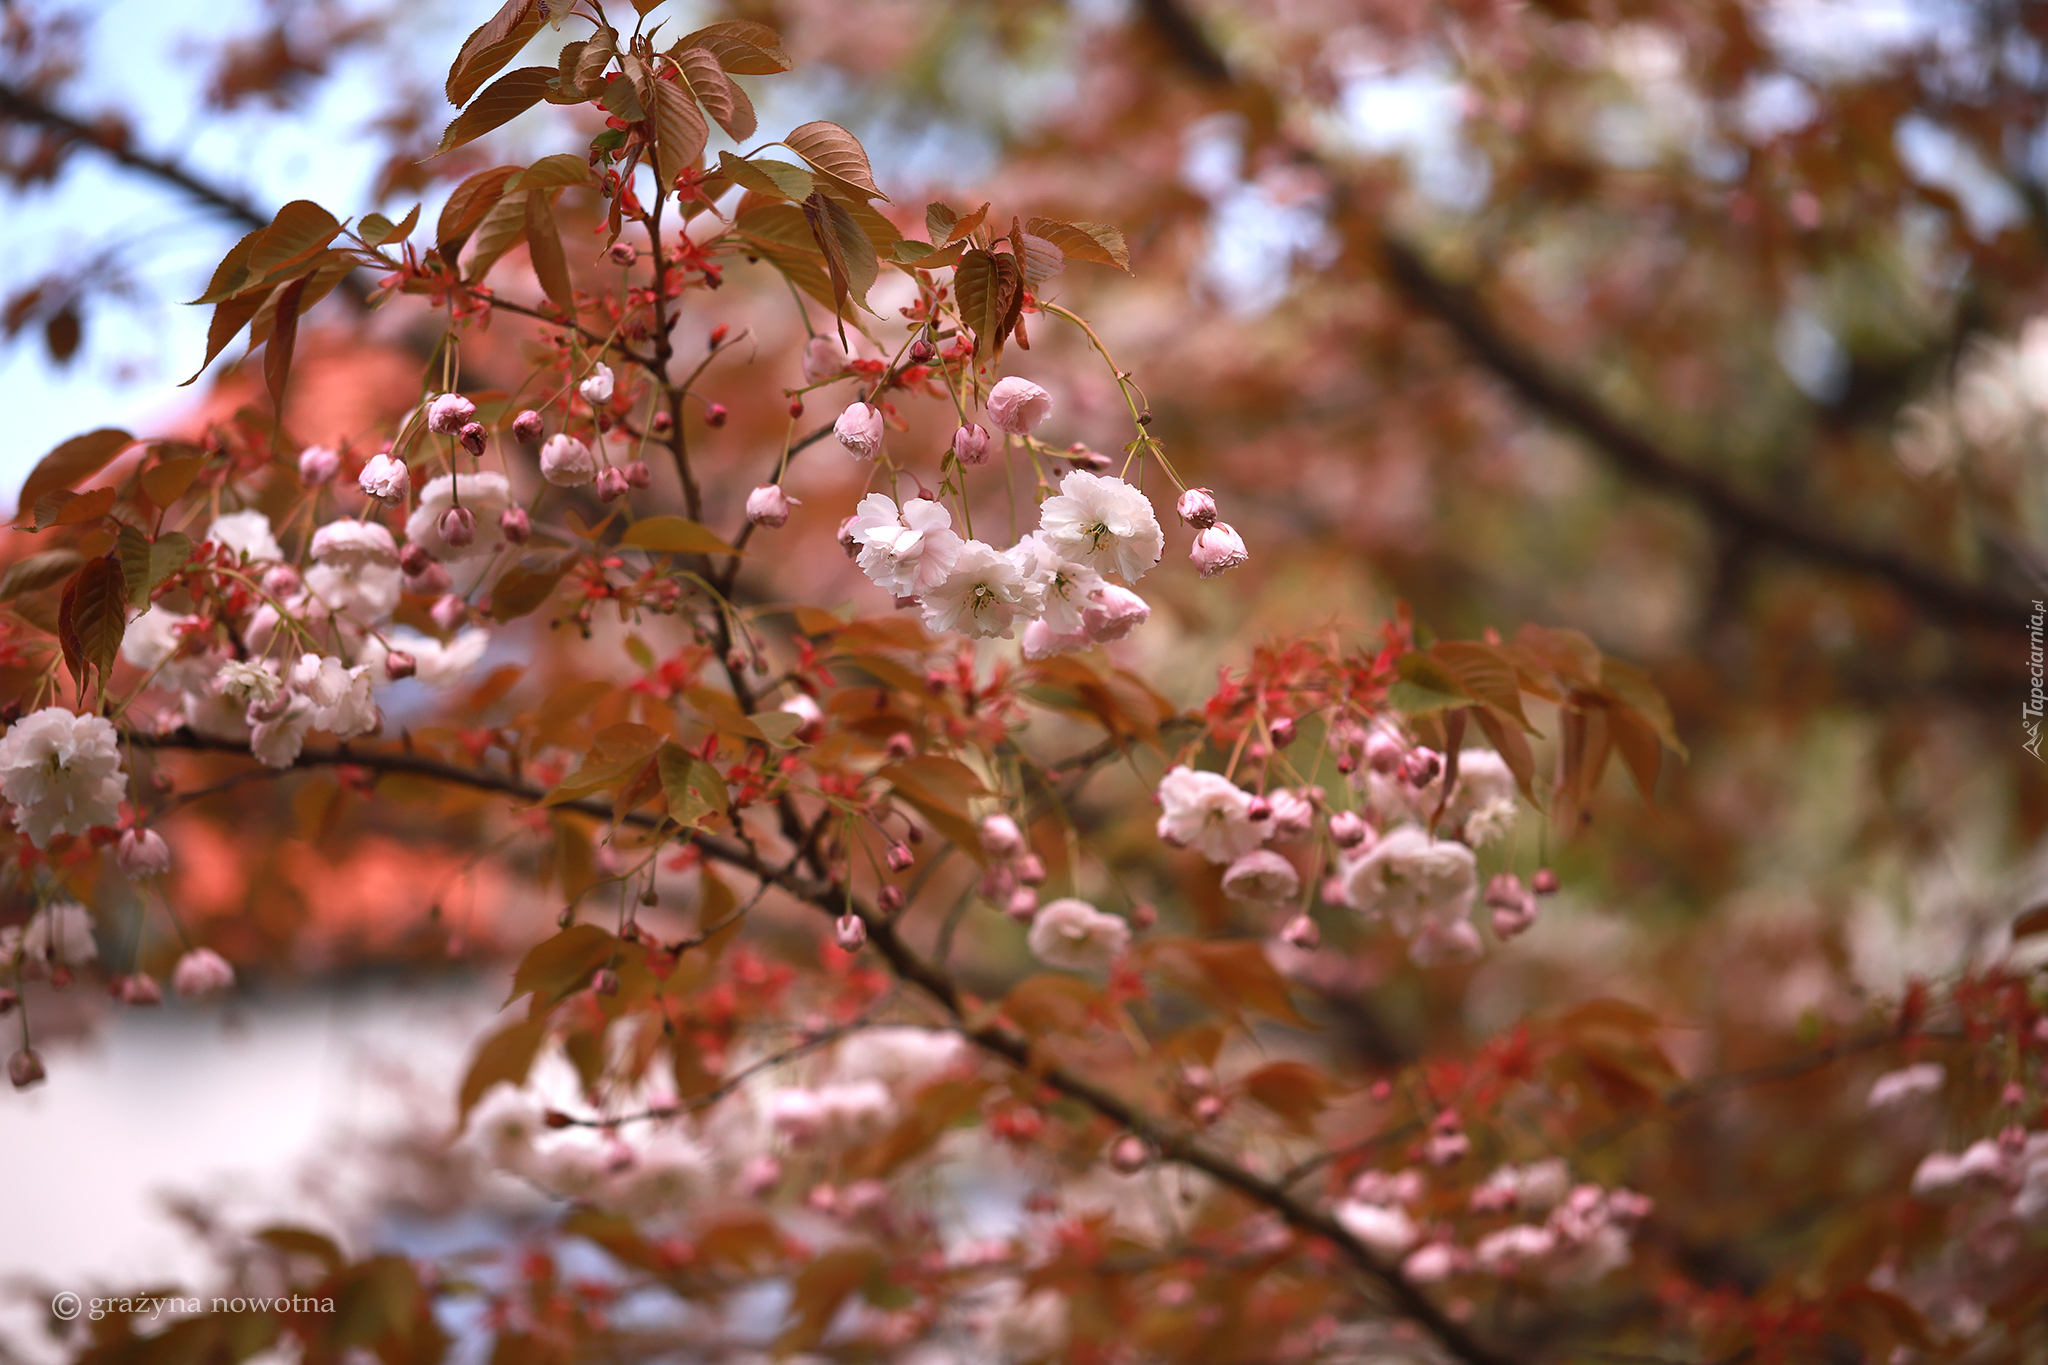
column 611, row 484
column 566, row 462
column 1348, row 829
column 430, row 581
column 769, row 506
column 901, row 745
column 1514, row 909
column 1259, row 809
column 449, row 611
column 473, row 437
column 202, row 972
column 1000, row 837
column 1031, row 870
column 1208, row 1109
column 850, row 932
column 970, row 444
column 1282, row 732
column 1301, row 932
column 1421, row 766
column 597, row 389
column 449, row 413
column 1128, row 1154
column 859, row 429
column 25, row 1069
column 1018, row 405
column 900, row 858
column 142, row 853
column 318, row 465
column 1197, row 507
column 141, row 990
column 921, row 351
column 526, row 427
column 399, row 665
column 1022, row 905
column 810, row 716
column 516, row 525
column 638, row 475
column 758, row 1176
column 1144, row 915
column 1544, row 883
column 1081, row 457
column 604, row 981
column 823, row 360
column 624, row 253
column 458, row 526
column 715, row 415
column 385, row 479
column 717, row 336
column 889, row 899
column 1217, row 548
column 796, row 407
column 415, row 559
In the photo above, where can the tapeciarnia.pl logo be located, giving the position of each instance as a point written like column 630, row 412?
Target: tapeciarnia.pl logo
column 2037, row 695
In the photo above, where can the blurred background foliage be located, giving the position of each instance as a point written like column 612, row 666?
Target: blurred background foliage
column 1707, row 328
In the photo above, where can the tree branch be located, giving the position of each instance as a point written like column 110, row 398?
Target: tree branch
column 1942, row 598
column 833, row 899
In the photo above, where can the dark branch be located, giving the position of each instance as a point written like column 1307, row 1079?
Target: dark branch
column 1942, row 598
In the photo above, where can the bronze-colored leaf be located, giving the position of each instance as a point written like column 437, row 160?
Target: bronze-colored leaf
column 544, row 249
column 284, row 336
column 506, row 1055
column 466, row 207
column 742, row 47
column 837, row 153
column 560, row 966
column 715, row 91
column 504, row 100
column 38, row 571
column 679, row 132
column 764, row 176
column 72, row 462
column 494, row 44
column 94, row 617
column 1095, row 242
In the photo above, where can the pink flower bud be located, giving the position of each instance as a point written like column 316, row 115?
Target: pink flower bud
column 431, row 581
column 399, row 665
column 526, row 427
column 1208, row 1109
column 141, row 990
column 458, row 526
column 597, row 389
column 970, row 444
column 846, row 540
column 638, row 475
column 202, row 972
column 1259, row 809
column 1128, row 1154
column 1282, row 732
column 850, row 932
column 715, row 415
column 1301, row 932
column 769, row 506
column 449, row 413
column 385, row 479
column 901, row 745
column 1348, row 829
column 760, row 1175
column 1421, row 766
column 889, row 899
column 1144, row 915
column 1018, row 405
column 142, row 853
column 1022, row 905
column 611, row 485
column 473, row 436
column 1544, row 883
column 900, row 858
column 1000, row 837
column 1094, row 461
column 415, row 559
column 516, row 525
column 922, row 351
column 25, row 1069
column 1217, row 548
column 604, row 981
column 624, row 253
column 859, row 429
column 1514, row 909
column 810, row 716
column 1112, row 612
column 318, row 465
column 1197, row 507
column 566, row 462
column 449, row 611
column 1031, row 870
column 823, row 359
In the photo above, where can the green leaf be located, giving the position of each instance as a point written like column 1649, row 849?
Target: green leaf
column 506, row 1055
column 923, row 255
column 144, row 563
column 558, row 967
column 1095, row 242
column 1414, row 699
column 838, row 155
column 487, row 51
column 74, row 461
column 674, row 535
column 693, row 787
column 765, row 176
column 507, row 98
